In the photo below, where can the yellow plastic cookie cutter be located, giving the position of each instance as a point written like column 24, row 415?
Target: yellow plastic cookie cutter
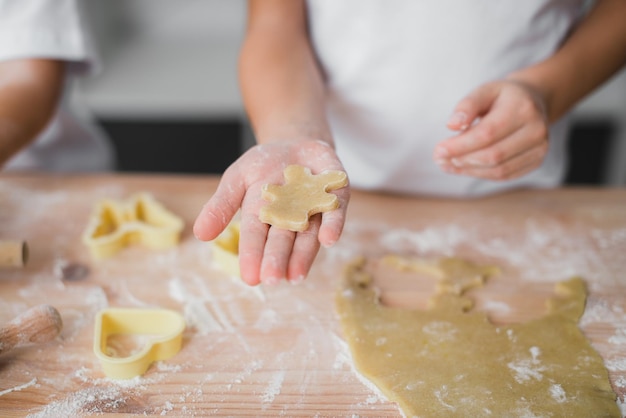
column 141, row 219
column 226, row 249
column 162, row 328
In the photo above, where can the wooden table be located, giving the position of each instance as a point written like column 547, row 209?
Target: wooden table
column 278, row 350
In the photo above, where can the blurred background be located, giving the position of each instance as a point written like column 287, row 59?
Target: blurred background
column 168, row 98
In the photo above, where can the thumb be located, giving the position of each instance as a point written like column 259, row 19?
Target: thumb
column 220, row 209
column 472, row 106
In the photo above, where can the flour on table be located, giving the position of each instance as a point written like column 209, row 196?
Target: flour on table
column 33, row 382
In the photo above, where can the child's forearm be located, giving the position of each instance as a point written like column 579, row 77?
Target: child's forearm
column 281, row 83
column 594, row 52
column 29, row 93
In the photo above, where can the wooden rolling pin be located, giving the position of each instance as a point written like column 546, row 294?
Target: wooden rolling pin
column 13, row 253
column 37, row 325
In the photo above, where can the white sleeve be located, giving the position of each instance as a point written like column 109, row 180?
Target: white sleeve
column 46, row 29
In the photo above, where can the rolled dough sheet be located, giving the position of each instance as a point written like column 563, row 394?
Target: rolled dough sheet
column 449, row 361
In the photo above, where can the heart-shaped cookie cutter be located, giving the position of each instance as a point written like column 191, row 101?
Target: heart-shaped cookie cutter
column 226, row 249
column 163, row 329
column 141, row 219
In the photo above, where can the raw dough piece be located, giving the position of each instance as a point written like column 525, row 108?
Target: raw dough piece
column 141, row 219
column 449, row 361
column 226, row 249
column 303, row 195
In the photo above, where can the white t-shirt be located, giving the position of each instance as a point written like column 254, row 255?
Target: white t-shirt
column 55, row 29
column 397, row 68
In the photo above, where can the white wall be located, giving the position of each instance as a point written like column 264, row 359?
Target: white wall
column 178, row 58
column 166, row 59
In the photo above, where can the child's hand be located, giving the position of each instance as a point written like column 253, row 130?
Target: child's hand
column 268, row 254
column 503, row 133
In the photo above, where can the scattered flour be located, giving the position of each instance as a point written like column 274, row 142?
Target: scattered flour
column 497, row 307
column 267, row 320
column 557, row 392
column 598, row 311
column 527, row 369
column 247, row 371
column 616, row 364
column 441, row 396
column 344, row 357
column 442, row 240
column 168, row 407
column 88, row 401
column 83, row 374
column 33, row 382
column 196, row 312
column 619, row 338
column 273, row 387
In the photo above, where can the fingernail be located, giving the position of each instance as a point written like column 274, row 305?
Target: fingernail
column 441, row 153
column 458, row 119
column 270, row 281
column 456, row 162
column 297, row 280
column 327, row 244
column 475, row 163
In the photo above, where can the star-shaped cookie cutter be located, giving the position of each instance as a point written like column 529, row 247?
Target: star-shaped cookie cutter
column 141, row 220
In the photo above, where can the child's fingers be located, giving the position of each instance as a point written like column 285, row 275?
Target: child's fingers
column 513, row 108
column 466, row 112
column 472, row 106
column 533, row 135
column 305, row 248
column 252, row 240
column 333, row 221
column 221, row 207
column 276, row 255
column 482, row 135
column 515, row 167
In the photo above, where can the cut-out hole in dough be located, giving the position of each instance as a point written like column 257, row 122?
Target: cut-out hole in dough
column 445, row 361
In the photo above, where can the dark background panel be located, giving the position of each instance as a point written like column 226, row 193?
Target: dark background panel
column 174, row 146
column 192, row 146
column 588, row 148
